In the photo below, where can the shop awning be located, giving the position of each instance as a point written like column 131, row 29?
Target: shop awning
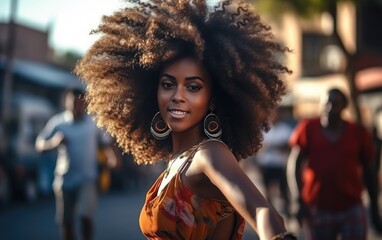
column 43, row 74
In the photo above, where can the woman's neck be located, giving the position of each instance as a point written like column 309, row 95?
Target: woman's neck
column 181, row 142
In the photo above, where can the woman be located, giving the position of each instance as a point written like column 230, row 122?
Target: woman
column 192, row 85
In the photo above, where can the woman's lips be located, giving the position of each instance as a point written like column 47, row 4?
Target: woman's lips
column 176, row 113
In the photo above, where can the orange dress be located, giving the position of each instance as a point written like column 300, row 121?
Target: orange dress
column 177, row 213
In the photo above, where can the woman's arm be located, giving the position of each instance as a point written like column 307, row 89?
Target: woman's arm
column 218, row 163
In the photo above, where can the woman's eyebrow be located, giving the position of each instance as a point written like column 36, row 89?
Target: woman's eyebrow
column 167, row 76
column 187, row 78
column 195, row 78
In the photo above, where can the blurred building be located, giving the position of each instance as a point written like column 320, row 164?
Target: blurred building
column 319, row 61
column 34, row 68
column 30, row 44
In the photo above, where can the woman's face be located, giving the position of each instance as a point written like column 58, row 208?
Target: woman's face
column 184, row 94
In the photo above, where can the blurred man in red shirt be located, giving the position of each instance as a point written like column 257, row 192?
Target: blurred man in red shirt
column 329, row 161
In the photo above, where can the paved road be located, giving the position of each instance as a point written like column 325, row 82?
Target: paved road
column 116, row 218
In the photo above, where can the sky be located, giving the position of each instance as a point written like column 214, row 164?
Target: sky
column 69, row 21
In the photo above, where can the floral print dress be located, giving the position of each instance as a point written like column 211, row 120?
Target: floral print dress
column 177, row 213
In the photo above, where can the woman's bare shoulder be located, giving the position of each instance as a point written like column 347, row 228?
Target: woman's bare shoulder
column 214, row 152
column 211, row 161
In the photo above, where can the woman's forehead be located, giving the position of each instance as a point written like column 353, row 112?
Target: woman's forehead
column 187, row 66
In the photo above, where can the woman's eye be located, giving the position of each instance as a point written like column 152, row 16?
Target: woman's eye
column 194, row 88
column 167, row 85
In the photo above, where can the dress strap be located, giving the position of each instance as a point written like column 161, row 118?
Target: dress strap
column 194, row 150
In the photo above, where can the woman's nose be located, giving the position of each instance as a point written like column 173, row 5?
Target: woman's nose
column 179, row 95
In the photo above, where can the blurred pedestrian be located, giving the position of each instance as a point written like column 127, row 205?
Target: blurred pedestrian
column 76, row 137
column 272, row 160
column 194, row 85
column 330, row 159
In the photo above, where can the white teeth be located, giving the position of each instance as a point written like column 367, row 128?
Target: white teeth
column 176, row 112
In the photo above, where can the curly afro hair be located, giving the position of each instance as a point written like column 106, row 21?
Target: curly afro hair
column 121, row 70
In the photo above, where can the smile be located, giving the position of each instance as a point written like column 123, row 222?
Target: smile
column 178, row 113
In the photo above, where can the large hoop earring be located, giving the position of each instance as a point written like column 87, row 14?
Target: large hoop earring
column 159, row 128
column 212, row 126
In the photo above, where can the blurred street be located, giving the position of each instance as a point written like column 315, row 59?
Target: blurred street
column 116, row 217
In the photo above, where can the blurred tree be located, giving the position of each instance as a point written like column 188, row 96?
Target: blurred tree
column 309, row 8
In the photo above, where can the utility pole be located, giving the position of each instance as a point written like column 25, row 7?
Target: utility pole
column 8, row 77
